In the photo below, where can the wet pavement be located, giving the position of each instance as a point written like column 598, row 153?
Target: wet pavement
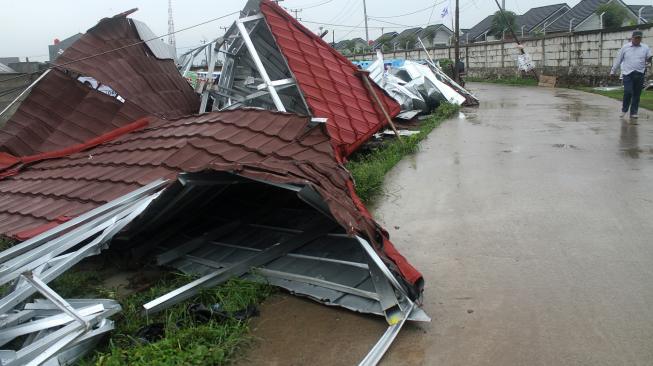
column 531, row 220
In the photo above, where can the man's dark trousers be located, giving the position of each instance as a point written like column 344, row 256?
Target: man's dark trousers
column 633, row 85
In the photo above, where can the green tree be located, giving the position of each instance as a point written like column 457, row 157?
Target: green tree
column 428, row 35
column 350, row 45
column 503, row 22
column 384, row 40
column 408, row 42
column 614, row 16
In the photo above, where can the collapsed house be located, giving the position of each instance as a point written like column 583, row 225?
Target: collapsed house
column 274, row 62
column 239, row 192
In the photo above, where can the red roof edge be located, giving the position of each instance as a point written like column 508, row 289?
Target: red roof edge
column 301, row 27
column 8, row 160
column 410, row 273
column 30, row 233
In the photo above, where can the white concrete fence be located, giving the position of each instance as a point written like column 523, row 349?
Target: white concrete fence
column 584, row 55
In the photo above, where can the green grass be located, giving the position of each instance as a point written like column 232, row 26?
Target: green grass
column 646, row 100
column 369, row 168
column 517, row 81
column 6, row 243
column 185, row 340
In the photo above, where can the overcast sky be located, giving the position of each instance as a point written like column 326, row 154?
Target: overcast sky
column 28, row 27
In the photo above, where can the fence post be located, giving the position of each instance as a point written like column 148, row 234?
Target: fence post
column 600, row 49
column 543, row 53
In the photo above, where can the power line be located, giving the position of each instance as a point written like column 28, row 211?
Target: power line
column 411, row 13
column 316, row 5
column 296, row 11
column 345, row 13
column 386, row 22
column 126, row 46
column 352, row 26
column 432, row 10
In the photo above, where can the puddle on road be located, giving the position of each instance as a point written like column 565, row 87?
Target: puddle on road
column 636, row 152
column 566, row 146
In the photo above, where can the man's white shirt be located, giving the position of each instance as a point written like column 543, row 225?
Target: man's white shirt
column 631, row 58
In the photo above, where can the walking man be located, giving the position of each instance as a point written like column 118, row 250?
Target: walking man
column 632, row 59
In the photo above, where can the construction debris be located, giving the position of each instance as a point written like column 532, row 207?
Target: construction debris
column 418, row 87
column 257, row 193
column 274, row 62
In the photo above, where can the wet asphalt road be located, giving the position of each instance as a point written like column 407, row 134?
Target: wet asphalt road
column 531, row 219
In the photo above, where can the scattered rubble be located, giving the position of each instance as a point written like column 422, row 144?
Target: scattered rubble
column 108, row 147
column 418, row 88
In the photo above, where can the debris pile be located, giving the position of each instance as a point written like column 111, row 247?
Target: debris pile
column 244, row 180
column 418, row 88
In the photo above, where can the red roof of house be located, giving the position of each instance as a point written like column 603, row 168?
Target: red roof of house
column 329, row 82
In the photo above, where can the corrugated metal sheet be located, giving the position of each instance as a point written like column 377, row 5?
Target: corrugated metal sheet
column 153, row 84
column 158, row 48
column 60, row 112
column 328, row 82
column 4, row 69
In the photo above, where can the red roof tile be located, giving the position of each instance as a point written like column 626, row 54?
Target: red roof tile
column 329, row 82
column 259, row 144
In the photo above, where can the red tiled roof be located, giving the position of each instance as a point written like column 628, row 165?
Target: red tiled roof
column 329, row 82
column 271, row 146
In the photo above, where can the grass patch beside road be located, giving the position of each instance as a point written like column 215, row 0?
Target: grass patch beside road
column 6, row 243
column 646, row 100
column 369, row 168
column 516, row 81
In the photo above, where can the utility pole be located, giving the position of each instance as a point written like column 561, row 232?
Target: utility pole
column 333, row 37
column 297, row 11
column 367, row 33
column 503, row 4
column 224, row 29
column 171, row 28
column 456, row 70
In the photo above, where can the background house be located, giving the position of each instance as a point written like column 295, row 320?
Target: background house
column 436, row 35
column 9, row 60
column 58, row 47
column 384, row 41
column 407, row 39
column 349, row 46
column 647, row 12
column 479, row 31
column 536, row 19
column 583, row 17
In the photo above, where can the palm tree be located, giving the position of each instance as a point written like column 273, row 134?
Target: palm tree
column 501, row 23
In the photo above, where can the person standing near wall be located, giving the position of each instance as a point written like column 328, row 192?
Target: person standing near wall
column 632, row 59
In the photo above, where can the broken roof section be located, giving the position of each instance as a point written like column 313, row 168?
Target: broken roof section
column 274, row 147
column 61, row 111
column 282, row 65
column 132, row 68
